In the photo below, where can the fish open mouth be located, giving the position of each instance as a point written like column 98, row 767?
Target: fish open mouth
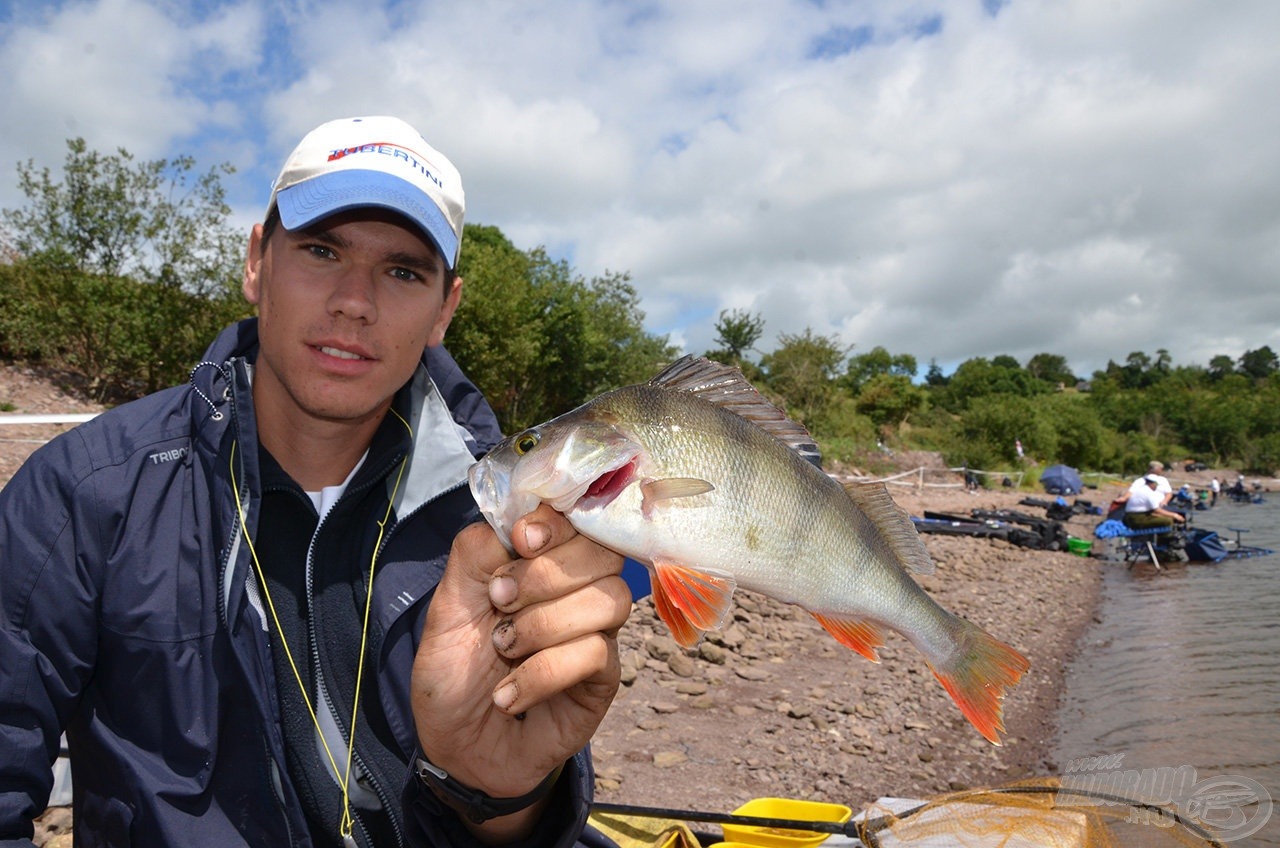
column 607, row 486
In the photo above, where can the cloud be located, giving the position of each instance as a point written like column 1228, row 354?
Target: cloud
column 944, row 179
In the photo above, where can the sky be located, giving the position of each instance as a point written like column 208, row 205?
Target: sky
column 1088, row 178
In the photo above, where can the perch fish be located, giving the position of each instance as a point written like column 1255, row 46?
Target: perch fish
column 699, row 477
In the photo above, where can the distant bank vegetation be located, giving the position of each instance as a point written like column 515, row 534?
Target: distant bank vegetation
column 125, row 270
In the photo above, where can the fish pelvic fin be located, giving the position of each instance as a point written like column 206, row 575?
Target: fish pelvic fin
column 727, row 388
column 977, row 675
column 682, row 629
column 865, row 637
column 692, row 600
column 895, row 525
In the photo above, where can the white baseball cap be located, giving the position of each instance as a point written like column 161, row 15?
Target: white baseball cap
column 373, row 161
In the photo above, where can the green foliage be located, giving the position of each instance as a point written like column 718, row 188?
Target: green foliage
column 1052, row 369
column 539, row 341
column 123, row 270
column 979, row 378
column 155, row 222
column 875, row 362
column 128, row 337
column 803, row 370
column 737, row 332
column 890, row 399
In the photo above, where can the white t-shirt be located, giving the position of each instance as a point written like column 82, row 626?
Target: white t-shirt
column 1145, row 499
column 1162, row 484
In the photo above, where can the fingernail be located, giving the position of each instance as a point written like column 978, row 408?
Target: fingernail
column 536, row 535
column 504, row 635
column 502, row 591
column 505, row 696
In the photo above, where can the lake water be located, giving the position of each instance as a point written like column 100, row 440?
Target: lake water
column 1180, row 682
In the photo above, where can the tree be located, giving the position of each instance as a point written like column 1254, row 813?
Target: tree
column 539, row 340
column 803, row 371
column 1220, row 366
column 875, row 362
column 934, row 378
column 154, row 222
column 890, row 399
column 1051, row 368
column 1259, row 363
column 979, row 377
column 121, row 269
column 737, row 332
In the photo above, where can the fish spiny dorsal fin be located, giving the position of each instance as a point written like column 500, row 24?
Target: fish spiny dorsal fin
column 727, row 388
column 894, row 523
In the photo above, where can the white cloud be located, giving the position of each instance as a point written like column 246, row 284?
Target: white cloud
column 953, row 185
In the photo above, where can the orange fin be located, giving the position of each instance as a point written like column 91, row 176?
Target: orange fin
column 703, row 599
column 981, row 669
column 682, row 630
column 863, row 636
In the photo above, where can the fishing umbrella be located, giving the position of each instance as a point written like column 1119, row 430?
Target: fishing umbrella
column 1061, row 480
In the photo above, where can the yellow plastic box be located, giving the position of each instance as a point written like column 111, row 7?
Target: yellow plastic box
column 785, row 808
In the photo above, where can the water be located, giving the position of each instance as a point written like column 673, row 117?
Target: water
column 1184, row 671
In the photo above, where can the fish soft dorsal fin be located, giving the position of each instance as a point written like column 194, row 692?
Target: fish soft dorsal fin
column 895, row 525
column 727, row 388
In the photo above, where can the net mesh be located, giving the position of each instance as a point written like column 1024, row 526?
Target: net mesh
column 1037, row 813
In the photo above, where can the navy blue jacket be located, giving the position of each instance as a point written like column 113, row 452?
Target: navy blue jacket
column 130, row 617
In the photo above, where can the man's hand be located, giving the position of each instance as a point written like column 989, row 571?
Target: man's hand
column 519, row 658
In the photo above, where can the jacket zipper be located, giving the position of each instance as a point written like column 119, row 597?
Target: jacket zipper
column 314, row 646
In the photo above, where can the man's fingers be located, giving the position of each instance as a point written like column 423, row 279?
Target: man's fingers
column 601, row 606
column 586, row 669
column 563, row 570
column 540, row 530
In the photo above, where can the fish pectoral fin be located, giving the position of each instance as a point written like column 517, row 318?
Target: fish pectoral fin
column 668, row 488
column 704, row 599
column 863, row 636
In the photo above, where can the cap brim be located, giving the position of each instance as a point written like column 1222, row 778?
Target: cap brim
column 315, row 199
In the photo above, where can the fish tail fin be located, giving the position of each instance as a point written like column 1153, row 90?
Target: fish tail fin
column 976, row 676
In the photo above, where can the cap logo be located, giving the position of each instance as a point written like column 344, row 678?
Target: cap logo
column 386, row 148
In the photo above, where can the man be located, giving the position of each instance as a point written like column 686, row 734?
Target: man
column 1155, row 469
column 1143, row 509
column 259, row 605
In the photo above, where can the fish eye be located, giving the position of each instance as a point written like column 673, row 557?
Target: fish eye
column 526, row 442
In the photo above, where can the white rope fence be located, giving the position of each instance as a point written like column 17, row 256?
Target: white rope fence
column 35, row 419
column 916, row 478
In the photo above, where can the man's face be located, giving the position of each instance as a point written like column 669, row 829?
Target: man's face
column 345, row 309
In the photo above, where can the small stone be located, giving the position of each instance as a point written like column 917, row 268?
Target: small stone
column 713, row 654
column 663, row 707
column 661, row 648
column 667, row 759
column 691, row 687
column 681, row 665
column 752, row 673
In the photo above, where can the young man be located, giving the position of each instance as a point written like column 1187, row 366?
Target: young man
column 259, row 605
